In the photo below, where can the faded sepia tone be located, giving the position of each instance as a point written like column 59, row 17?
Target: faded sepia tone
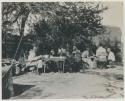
column 60, row 50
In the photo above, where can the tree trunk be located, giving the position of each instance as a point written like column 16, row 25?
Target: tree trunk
column 23, row 23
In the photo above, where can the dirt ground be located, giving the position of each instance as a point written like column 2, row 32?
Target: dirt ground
column 67, row 85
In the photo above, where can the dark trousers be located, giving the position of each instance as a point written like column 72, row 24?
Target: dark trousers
column 60, row 66
column 77, row 65
column 102, row 64
column 40, row 70
column 110, row 63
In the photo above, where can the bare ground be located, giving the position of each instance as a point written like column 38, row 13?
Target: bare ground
column 67, row 85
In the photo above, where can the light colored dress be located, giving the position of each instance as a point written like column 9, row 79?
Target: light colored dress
column 111, row 56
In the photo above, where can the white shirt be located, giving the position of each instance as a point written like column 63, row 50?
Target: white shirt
column 85, row 54
column 31, row 55
column 62, row 50
column 111, row 56
column 101, row 53
column 40, row 64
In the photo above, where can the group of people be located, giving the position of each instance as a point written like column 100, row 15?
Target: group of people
column 103, row 57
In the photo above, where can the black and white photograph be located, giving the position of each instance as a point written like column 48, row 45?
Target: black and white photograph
column 62, row 50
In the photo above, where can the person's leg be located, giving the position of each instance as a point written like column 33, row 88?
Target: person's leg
column 82, row 66
column 39, row 71
column 98, row 64
column 110, row 63
column 61, row 66
column 44, row 69
column 101, row 64
column 76, row 66
column 106, row 62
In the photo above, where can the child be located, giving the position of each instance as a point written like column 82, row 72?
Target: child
column 41, row 65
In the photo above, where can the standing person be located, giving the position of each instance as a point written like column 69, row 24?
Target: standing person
column 62, row 54
column 101, row 55
column 77, row 57
column 40, row 65
column 111, row 57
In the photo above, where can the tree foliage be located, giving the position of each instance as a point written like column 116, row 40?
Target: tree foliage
column 63, row 23
column 72, row 24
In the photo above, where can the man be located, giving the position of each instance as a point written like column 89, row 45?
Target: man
column 77, row 57
column 62, row 51
column 111, row 57
column 76, row 54
column 101, row 55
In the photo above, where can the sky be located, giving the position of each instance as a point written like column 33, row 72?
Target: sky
column 114, row 15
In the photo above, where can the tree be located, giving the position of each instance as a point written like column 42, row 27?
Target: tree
column 75, row 23
column 79, row 22
column 65, row 23
column 14, row 12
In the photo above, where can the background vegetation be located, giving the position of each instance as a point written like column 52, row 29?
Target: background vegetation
column 50, row 26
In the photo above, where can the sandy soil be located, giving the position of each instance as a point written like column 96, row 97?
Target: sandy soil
column 66, row 85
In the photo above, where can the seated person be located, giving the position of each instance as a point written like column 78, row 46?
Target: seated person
column 87, row 59
column 85, row 55
column 52, row 53
column 76, row 54
column 101, row 55
column 111, row 57
column 62, row 51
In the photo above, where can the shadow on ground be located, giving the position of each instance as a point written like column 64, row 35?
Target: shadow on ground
column 19, row 89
